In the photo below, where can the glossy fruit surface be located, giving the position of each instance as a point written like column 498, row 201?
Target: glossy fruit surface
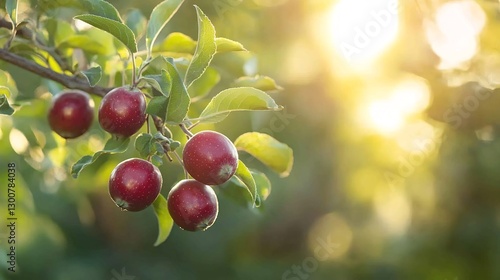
column 122, row 112
column 134, row 184
column 71, row 114
column 210, row 157
column 193, row 205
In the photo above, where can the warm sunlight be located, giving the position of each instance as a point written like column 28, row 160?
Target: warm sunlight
column 385, row 116
column 408, row 97
column 454, row 31
column 362, row 29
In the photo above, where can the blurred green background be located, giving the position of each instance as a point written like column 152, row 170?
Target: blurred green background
column 391, row 110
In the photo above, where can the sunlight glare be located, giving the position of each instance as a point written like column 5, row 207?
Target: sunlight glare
column 363, row 29
column 454, row 33
column 388, row 115
column 385, row 117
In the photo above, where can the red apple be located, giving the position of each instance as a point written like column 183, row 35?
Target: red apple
column 122, row 111
column 210, row 157
column 71, row 113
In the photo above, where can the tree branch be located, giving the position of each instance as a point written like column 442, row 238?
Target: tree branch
column 26, row 33
column 72, row 82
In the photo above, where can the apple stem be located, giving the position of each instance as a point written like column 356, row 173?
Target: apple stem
column 147, row 125
column 193, row 125
column 186, row 130
column 134, row 71
column 182, row 163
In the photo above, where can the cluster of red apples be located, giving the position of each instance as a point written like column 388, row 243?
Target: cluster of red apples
column 208, row 156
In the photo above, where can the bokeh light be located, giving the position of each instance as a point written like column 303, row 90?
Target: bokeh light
column 453, row 34
column 362, row 29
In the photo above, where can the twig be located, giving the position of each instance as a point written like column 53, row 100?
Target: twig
column 30, row 35
column 186, row 130
column 72, row 82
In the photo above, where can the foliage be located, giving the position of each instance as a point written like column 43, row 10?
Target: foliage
column 116, row 50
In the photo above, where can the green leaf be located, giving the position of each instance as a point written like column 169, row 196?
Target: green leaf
column 271, row 152
column 263, row 83
column 157, row 160
column 178, row 43
column 100, row 8
column 113, row 146
column 227, row 45
column 11, row 8
column 83, row 42
column 94, row 7
column 137, row 22
column 205, row 50
column 115, row 28
column 5, row 108
column 161, row 82
column 93, row 75
column 157, row 106
column 178, row 102
column 160, row 16
column 245, row 177
column 143, row 144
column 236, row 99
column 165, row 221
column 263, row 184
column 202, row 87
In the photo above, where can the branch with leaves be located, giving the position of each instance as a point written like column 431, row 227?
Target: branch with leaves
column 172, row 85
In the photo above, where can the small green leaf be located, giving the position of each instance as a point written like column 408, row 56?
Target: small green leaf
column 157, row 106
column 143, row 144
column 5, row 108
column 165, row 221
column 178, row 43
column 236, row 99
column 100, row 8
column 158, row 148
column 115, row 28
column 161, row 82
column 205, row 50
column 93, row 75
column 11, row 8
column 157, row 160
column 263, row 184
column 137, row 22
column 271, row 152
column 83, row 42
column 160, row 137
column 113, row 146
column 263, row 83
column 179, row 101
column 160, row 16
column 174, row 145
column 245, row 177
column 227, row 45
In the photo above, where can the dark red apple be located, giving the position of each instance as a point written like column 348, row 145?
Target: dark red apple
column 122, row 111
column 193, row 205
column 210, row 157
column 135, row 184
column 71, row 113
